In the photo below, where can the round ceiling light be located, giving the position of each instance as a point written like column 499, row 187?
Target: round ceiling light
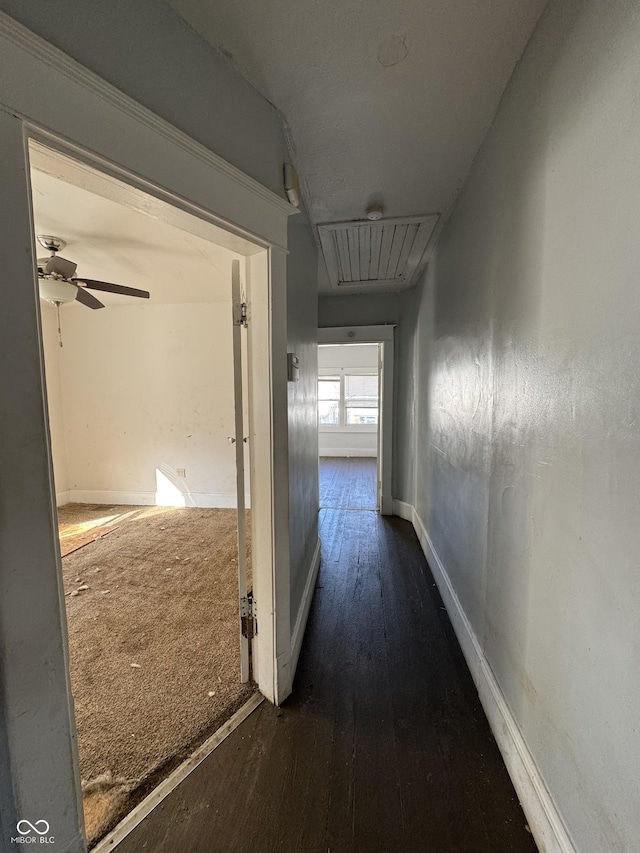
column 54, row 290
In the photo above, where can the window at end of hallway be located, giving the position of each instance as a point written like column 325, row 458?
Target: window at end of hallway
column 348, row 400
column 360, row 400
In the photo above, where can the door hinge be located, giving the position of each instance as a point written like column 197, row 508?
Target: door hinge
column 248, row 616
column 240, row 314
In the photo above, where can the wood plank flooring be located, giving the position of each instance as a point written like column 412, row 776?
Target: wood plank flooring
column 383, row 746
column 348, row 482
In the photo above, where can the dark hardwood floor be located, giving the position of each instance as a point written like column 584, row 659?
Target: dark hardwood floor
column 348, row 482
column 383, row 746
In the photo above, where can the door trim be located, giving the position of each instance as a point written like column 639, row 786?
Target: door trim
column 41, row 82
column 51, row 98
column 238, row 318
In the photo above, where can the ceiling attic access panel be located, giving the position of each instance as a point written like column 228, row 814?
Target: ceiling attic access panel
column 364, row 254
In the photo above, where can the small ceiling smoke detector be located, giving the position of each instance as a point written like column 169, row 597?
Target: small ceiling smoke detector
column 374, row 212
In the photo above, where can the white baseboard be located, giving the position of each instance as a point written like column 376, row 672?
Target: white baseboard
column 63, row 498
column 542, row 814
column 403, row 510
column 94, row 496
column 346, row 451
column 202, row 500
column 303, row 610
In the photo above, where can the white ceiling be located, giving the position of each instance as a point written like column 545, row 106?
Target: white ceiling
column 386, row 100
column 112, row 242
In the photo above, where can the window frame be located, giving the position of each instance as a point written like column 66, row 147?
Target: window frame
column 343, row 426
column 331, row 377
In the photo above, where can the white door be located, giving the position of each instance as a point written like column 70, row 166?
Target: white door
column 247, row 621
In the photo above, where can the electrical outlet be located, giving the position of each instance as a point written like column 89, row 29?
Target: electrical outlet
column 181, row 472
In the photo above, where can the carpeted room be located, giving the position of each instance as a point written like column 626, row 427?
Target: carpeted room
column 140, row 401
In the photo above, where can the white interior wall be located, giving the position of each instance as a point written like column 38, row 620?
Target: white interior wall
column 523, row 343
column 354, row 440
column 147, row 390
column 52, row 363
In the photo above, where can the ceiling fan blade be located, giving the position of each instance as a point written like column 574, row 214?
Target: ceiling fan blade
column 112, row 288
column 87, row 298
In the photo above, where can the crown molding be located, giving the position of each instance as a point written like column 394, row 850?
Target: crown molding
column 52, row 57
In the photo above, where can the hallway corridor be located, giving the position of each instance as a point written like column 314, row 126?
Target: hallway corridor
column 348, row 482
column 383, row 746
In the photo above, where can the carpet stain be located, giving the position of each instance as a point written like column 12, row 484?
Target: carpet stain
column 102, row 799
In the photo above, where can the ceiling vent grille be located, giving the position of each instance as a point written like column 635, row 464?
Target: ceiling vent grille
column 385, row 253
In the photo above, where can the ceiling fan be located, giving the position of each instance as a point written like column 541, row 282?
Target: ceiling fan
column 59, row 284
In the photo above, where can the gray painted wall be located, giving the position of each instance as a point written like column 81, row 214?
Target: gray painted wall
column 372, row 309
column 302, row 325
column 413, row 340
column 146, row 50
column 525, row 424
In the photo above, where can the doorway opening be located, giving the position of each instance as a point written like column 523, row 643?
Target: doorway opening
column 355, row 417
column 348, row 421
column 150, row 425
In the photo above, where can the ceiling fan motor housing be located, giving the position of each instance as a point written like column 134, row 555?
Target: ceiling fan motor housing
column 58, row 266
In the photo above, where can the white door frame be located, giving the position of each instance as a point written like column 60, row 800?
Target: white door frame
column 383, row 335
column 47, row 96
column 238, row 316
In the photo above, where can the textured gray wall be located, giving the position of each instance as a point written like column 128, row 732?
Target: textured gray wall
column 302, row 335
column 146, row 50
column 413, row 340
column 371, row 309
column 527, row 410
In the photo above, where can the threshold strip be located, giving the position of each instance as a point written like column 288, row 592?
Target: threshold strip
column 137, row 815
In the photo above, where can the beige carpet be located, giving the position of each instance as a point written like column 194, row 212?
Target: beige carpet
column 152, row 609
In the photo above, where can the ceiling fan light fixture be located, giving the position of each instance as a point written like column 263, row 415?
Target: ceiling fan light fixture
column 55, row 290
column 59, row 284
